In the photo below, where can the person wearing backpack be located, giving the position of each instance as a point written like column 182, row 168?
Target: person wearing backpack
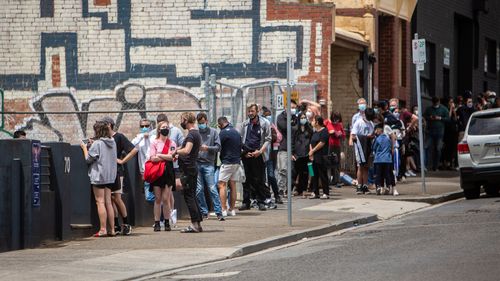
column 162, row 149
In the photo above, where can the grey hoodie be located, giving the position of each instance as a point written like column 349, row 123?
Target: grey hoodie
column 102, row 159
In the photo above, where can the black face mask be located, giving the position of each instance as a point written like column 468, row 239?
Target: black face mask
column 183, row 125
column 164, row 132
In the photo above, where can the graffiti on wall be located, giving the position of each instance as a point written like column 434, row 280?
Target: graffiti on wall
column 49, row 125
column 107, row 44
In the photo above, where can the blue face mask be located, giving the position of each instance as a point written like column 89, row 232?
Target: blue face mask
column 144, row 130
column 202, row 126
column 362, row 107
column 375, row 110
column 303, row 121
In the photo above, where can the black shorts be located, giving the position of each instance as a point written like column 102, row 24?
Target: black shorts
column 165, row 180
column 102, row 186
column 116, row 185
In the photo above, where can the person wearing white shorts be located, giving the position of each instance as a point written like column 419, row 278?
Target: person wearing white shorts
column 230, row 156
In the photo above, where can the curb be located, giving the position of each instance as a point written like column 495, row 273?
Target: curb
column 256, row 246
column 435, row 199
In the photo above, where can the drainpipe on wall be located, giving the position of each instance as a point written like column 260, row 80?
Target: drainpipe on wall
column 366, row 83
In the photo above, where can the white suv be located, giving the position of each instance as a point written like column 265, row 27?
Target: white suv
column 479, row 154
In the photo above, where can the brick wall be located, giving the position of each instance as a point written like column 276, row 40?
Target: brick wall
column 345, row 82
column 91, row 49
column 393, row 58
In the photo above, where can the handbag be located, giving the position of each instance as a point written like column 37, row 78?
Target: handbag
column 154, row 170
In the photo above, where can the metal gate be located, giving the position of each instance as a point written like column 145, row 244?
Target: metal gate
column 232, row 100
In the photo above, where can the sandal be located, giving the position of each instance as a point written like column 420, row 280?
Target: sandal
column 112, row 234
column 190, row 229
column 100, row 234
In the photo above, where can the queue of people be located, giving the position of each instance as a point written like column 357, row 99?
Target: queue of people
column 384, row 139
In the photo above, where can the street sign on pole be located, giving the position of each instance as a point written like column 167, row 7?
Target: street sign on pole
column 418, row 46
column 418, row 51
column 289, row 89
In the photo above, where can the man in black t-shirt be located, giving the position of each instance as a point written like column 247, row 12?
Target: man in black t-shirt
column 188, row 156
column 123, row 146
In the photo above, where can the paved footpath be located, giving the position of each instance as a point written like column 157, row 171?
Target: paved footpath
column 146, row 252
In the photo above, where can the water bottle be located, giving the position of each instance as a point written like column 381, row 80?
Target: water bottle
column 310, row 169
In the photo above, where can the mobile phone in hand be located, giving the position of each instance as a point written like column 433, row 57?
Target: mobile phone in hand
column 86, row 141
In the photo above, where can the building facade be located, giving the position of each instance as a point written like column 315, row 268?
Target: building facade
column 462, row 49
column 78, row 55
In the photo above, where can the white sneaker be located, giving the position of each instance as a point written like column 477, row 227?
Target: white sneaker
column 224, row 213
column 230, row 213
column 407, row 174
column 412, row 173
column 324, row 196
column 395, row 192
column 173, row 217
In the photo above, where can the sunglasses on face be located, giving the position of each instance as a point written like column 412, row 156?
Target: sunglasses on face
column 144, row 126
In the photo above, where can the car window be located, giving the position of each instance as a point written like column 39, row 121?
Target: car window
column 485, row 125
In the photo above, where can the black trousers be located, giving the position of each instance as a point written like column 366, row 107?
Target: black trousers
column 255, row 184
column 336, row 169
column 302, row 173
column 189, row 180
column 383, row 173
column 320, row 176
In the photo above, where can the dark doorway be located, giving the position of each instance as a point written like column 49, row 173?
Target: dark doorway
column 464, row 55
column 446, row 82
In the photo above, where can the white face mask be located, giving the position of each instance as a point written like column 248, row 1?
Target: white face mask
column 309, row 114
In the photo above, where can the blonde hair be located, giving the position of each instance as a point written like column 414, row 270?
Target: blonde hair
column 189, row 116
column 158, row 128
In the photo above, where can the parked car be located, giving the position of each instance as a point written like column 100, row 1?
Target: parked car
column 479, row 154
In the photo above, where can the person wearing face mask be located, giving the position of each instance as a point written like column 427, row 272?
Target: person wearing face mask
column 123, row 146
column 394, row 107
column 301, row 140
column 463, row 115
column 362, row 135
column 435, row 116
column 142, row 142
column 361, row 102
column 163, row 186
column 336, row 134
column 206, row 167
column 491, row 99
column 318, row 151
column 281, row 123
column 256, row 137
column 188, row 157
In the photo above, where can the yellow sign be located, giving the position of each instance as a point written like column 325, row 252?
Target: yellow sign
column 295, row 96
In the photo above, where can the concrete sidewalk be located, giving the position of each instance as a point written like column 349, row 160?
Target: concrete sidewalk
column 146, row 252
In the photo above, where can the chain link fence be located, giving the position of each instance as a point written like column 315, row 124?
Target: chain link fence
column 62, row 115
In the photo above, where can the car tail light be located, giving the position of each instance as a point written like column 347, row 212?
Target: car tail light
column 463, row 148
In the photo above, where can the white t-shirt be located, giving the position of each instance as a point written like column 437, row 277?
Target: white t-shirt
column 142, row 145
column 362, row 127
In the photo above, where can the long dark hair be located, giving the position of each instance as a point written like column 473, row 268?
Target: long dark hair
column 308, row 129
column 336, row 116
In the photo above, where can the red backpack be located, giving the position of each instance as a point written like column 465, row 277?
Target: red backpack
column 154, row 170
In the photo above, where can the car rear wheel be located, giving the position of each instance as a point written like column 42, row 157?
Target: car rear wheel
column 491, row 190
column 471, row 191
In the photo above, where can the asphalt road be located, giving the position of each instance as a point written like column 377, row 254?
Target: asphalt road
column 455, row 241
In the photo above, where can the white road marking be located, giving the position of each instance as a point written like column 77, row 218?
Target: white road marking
column 204, row 276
